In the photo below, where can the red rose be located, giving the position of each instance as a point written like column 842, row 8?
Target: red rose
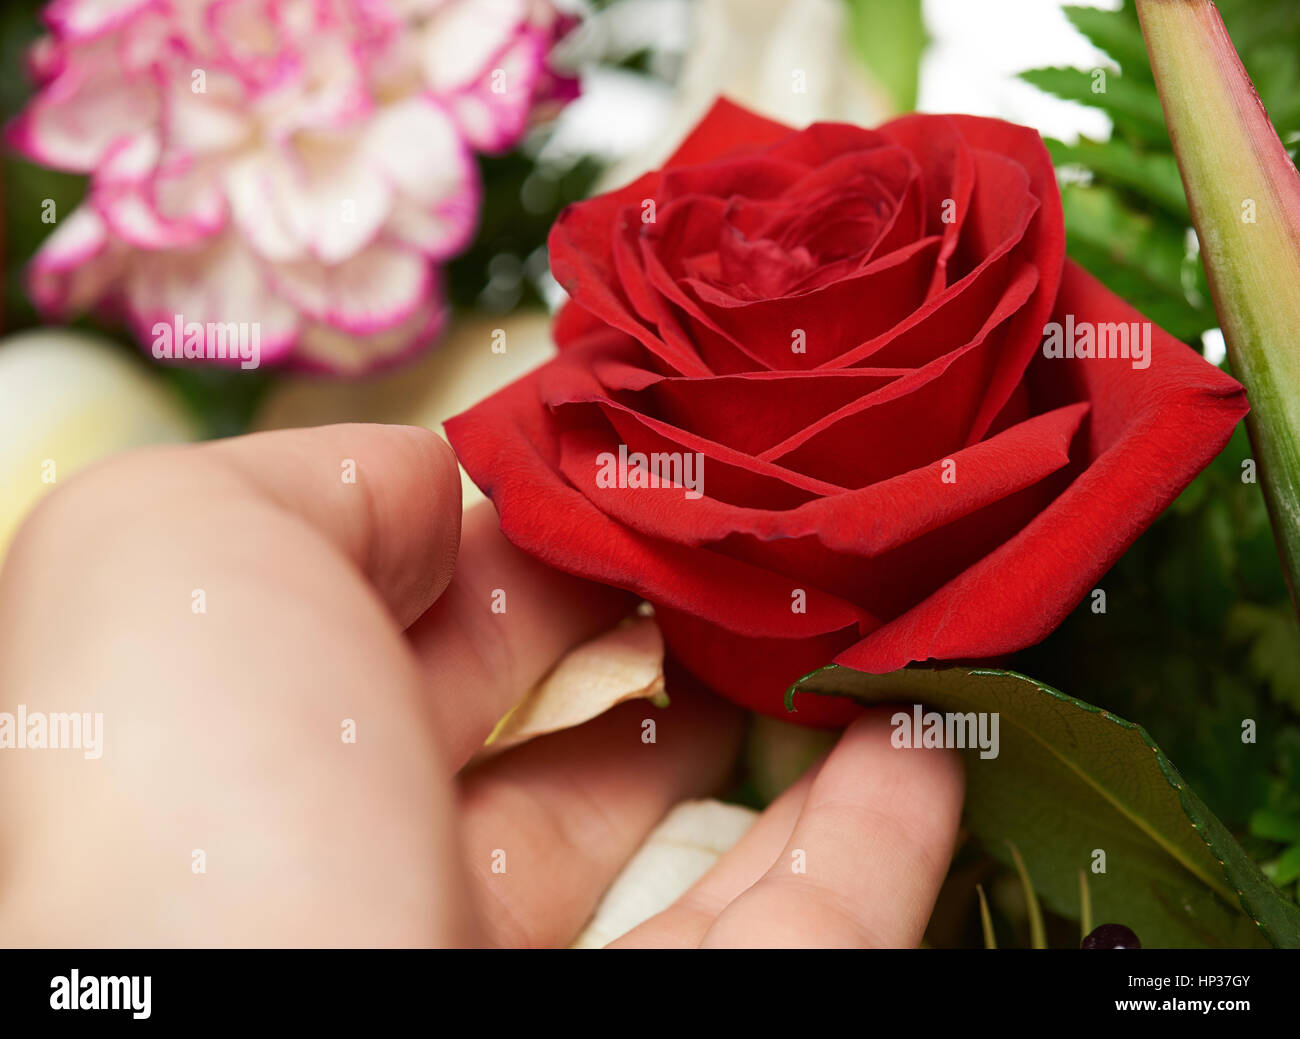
column 843, row 331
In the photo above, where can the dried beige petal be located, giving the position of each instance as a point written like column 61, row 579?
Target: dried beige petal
column 625, row 663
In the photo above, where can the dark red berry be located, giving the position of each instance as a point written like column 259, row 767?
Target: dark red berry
column 1111, row 936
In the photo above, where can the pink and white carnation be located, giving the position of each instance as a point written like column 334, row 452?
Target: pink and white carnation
column 298, row 165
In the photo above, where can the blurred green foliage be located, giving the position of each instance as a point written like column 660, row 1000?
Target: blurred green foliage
column 501, row 268
column 1127, row 222
column 889, row 38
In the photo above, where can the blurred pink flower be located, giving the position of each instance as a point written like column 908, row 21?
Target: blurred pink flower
column 301, row 165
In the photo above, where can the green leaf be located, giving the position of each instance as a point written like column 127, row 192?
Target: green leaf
column 889, row 37
column 1037, row 931
column 1287, row 868
column 1116, row 33
column 1141, row 257
column 1085, row 906
column 1070, row 778
column 1132, row 104
column 1136, row 241
column 1274, row 648
column 1275, row 826
column 986, row 921
column 1153, row 174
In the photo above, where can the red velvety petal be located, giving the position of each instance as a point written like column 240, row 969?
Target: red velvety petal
column 1000, row 210
column 748, row 412
column 573, row 324
column 751, row 176
column 949, row 318
column 913, row 420
column 866, row 522
column 509, row 445
column 838, row 194
column 754, row 411
column 581, row 245
column 1150, row 432
column 1045, row 244
column 756, row 672
column 685, row 348
column 947, row 175
column 570, row 386
column 830, row 318
column 581, row 241
column 734, row 476
column 819, row 143
column 726, row 129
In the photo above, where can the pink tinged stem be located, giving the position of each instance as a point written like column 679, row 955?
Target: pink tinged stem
column 1244, row 193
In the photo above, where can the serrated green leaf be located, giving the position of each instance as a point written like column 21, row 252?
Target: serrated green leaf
column 1116, row 33
column 1139, row 256
column 1132, row 104
column 1274, row 648
column 1268, row 38
column 1137, row 241
column 1071, row 778
column 1154, row 175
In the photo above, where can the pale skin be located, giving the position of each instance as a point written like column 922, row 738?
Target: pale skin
column 370, row 601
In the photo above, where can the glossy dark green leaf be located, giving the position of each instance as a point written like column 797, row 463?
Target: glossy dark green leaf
column 1070, row 780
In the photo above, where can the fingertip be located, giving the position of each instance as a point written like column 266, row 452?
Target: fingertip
column 421, row 494
column 936, row 774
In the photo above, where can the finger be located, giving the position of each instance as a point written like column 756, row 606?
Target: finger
column 867, row 855
column 388, row 497
column 503, row 623
column 562, row 815
column 684, row 924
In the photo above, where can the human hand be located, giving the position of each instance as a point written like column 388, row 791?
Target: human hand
column 326, row 603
